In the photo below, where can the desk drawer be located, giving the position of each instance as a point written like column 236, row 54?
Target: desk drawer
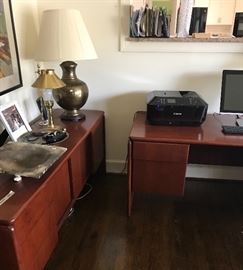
column 162, row 178
column 160, row 151
column 159, row 168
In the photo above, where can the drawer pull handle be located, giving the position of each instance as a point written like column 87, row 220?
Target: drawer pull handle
column 6, row 197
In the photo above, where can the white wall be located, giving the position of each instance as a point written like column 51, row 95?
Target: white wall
column 119, row 81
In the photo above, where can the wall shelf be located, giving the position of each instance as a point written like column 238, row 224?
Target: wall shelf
column 172, row 45
column 188, row 39
column 181, row 45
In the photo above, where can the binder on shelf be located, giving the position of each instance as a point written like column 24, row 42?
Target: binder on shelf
column 149, row 22
column 198, row 20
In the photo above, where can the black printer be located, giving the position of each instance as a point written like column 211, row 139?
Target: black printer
column 184, row 108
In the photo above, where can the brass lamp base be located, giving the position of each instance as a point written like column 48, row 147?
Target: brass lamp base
column 72, row 96
column 75, row 115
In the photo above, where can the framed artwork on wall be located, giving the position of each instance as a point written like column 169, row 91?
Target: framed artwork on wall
column 13, row 120
column 10, row 73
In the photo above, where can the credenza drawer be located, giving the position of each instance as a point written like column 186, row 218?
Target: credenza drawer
column 60, row 192
column 160, row 151
column 40, row 243
column 79, row 168
column 34, row 231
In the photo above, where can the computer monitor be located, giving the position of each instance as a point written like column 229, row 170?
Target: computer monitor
column 232, row 92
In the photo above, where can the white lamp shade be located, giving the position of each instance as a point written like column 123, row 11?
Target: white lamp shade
column 63, row 36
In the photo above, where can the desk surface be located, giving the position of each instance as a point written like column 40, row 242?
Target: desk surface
column 210, row 132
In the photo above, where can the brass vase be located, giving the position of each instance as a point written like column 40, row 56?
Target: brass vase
column 72, row 96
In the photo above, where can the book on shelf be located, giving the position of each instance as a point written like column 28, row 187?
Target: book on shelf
column 149, row 22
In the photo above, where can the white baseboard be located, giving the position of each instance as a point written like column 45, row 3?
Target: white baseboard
column 214, row 172
column 193, row 170
column 115, row 166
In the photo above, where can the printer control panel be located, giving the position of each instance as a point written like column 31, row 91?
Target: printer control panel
column 175, row 101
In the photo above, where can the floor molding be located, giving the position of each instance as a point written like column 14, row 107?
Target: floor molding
column 115, row 166
column 193, row 170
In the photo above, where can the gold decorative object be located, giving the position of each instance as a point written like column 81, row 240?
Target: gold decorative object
column 64, row 37
column 48, row 80
column 49, row 104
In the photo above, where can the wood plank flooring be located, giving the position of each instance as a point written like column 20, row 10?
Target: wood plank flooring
column 201, row 231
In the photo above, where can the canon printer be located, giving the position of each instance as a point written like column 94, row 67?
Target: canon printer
column 183, row 108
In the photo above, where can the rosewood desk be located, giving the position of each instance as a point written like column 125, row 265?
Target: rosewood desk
column 29, row 220
column 158, row 155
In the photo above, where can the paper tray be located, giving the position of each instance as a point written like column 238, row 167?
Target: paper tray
column 26, row 159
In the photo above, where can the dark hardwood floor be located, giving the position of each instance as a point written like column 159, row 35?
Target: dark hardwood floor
column 201, row 231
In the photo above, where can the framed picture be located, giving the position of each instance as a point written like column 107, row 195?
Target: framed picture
column 13, row 120
column 10, row 73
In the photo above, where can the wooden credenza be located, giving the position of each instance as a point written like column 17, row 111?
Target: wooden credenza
column 29, row 220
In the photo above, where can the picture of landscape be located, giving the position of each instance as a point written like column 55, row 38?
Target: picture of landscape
column 6, row 68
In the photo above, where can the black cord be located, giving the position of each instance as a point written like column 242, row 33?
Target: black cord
column 3, row 137
column 124, row 170
column 83, row 194
column 215, row 115
column 90, row 188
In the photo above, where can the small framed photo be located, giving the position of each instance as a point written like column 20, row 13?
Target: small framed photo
column 13, row 120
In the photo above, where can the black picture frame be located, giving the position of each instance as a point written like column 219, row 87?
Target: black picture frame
column 10, row 71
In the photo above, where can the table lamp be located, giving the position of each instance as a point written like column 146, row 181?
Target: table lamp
column 63, row 36
column 47, row 81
